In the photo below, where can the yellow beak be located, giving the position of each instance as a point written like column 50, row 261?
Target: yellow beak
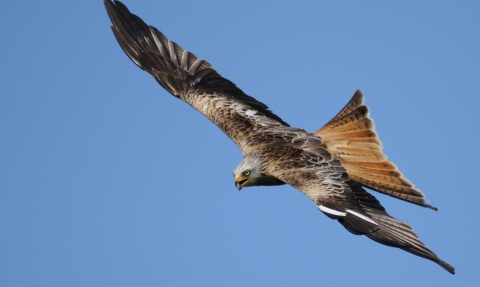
column 240, row 181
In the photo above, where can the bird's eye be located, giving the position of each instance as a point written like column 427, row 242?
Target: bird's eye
column 246, row 173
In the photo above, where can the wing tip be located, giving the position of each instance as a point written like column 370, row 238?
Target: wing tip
column 431, row 207
column 447, row 266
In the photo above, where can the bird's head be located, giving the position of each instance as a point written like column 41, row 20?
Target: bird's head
column 251, row 172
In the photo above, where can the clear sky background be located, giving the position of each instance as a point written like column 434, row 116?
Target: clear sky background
column 108, row 180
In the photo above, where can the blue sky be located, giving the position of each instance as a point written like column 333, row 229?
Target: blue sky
column 107, row 180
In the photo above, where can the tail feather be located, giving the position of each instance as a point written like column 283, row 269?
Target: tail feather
column 351, row 137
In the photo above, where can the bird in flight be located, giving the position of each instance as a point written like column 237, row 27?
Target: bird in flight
column 331, row 166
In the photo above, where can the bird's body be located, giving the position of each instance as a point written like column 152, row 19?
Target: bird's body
column 331, row 166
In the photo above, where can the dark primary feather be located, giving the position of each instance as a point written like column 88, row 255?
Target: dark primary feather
column 391, row 231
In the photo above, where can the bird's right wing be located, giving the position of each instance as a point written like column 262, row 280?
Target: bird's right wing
column 186, row 77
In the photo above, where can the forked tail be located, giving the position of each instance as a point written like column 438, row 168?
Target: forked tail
column 351, row 137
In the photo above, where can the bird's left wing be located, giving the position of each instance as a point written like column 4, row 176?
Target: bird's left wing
column 323, row 178
column 189, row 78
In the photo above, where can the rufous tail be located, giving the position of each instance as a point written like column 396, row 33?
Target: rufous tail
column 351, row 137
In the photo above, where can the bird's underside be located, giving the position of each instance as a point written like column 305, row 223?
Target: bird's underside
column 331, row 166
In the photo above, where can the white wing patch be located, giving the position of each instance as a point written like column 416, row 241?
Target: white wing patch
column 339, row 213
column 331, row 211
column 361, row 216
column 250, row 113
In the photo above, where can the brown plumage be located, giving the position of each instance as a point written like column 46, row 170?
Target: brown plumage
column 330, row 166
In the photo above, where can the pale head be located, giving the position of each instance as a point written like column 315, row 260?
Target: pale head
column 251, row 172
